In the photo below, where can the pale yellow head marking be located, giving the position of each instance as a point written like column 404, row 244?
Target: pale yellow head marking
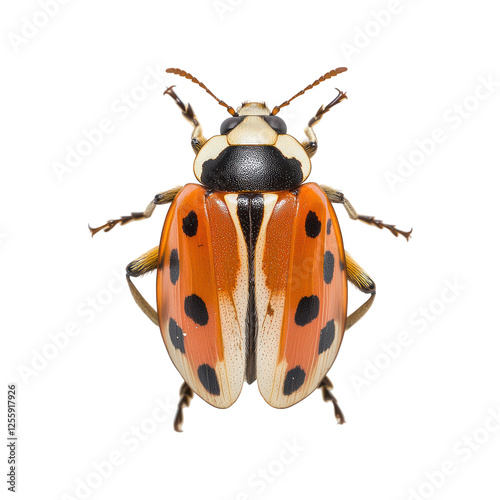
column 253, row 108
column 253, row 130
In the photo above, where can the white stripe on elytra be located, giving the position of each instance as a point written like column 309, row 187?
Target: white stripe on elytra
column 269, row 325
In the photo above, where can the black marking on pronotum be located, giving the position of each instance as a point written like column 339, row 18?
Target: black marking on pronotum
column 326, row 337
column 250, row 211
column 190, row 224
column 329, row 226
column 251, row 168
column 313, row 225
column 195, row 308
column 293, row 380
column 342, row 265
column 208, row 378
column 176, row 335
column 174, row 266
column 307, row 310
column 328, row 265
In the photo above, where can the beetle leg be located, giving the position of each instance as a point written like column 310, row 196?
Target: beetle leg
column 360, row 279
column 325, row 386
column 139, row 267
column 311, row 145
column 197, row 137
column 159, row 199
column 337, row 197
column 186, row 394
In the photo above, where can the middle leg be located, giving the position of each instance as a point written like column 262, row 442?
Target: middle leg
column 362, row 281
column 338, row 197
column 139, row 267
column 159, row 199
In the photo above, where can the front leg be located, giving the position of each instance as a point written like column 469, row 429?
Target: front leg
column 311, row 145
column 337, row 197
column 197, row 137
column 159, row 199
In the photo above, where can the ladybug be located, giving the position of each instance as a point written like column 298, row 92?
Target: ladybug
column 251, row 268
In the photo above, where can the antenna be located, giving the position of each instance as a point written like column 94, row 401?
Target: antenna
column 189, row 76
column 326, row 76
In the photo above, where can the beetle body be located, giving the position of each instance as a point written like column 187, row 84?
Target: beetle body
column 252, row 286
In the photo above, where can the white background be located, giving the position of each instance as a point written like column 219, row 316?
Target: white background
column 414, row 67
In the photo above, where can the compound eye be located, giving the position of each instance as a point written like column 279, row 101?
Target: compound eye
column 229, row 124
column 276, row 123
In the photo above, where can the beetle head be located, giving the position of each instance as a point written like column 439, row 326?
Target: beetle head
column 252, row 125
column 253, row 151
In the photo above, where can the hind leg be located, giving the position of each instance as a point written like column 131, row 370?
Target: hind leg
column 360, row 279
column 139, row 267
column 325, row 386
column 337, row 197
column 186, row 395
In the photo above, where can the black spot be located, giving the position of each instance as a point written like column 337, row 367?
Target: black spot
column 328, row 263
column 208, row 378
column 294, row 380
column 176, row 335
column 190, row 224
column 307, row 310
column 342, row 265
column 329, row 226
column 174, row 266
column 326, row 337
column 196, row 309
column 313, row 225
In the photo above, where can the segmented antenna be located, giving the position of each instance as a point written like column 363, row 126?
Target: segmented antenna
column 326, row 76
column 189, row 76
